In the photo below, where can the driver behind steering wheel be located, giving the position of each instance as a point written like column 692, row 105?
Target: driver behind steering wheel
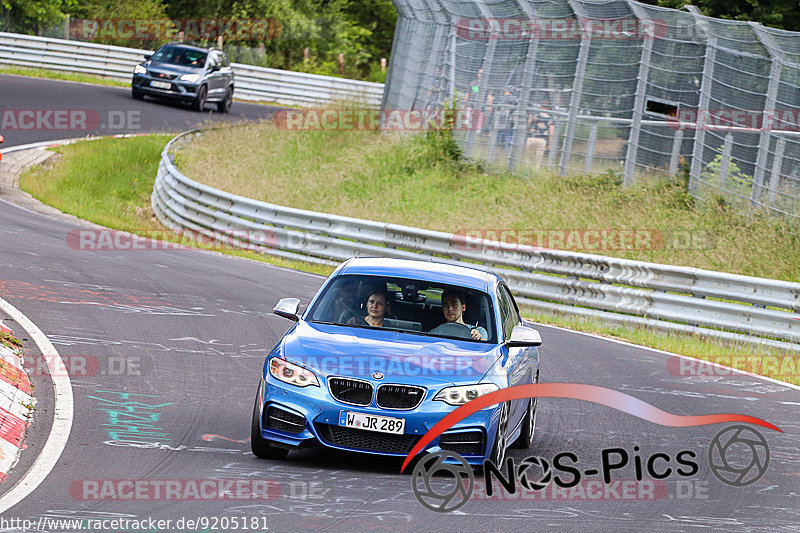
column 453, row 307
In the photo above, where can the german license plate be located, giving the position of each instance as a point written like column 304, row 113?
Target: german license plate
column 160, row 84
column 381, row 424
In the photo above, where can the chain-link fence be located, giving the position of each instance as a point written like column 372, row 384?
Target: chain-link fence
column 598, row 85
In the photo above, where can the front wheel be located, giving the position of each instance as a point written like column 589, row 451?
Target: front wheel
column 525, row 439
column 498, row 454
column 137, row 95
column 200, row 100
column 260, row 446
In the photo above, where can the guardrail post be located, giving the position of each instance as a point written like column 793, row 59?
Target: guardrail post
column 675, row 155
column 775, row 177
column 575, row 97
column 589, row 157
column 639, row 101
column 726, row 160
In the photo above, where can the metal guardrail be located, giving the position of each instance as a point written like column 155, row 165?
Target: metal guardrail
column 672, row 298
column 251, row 82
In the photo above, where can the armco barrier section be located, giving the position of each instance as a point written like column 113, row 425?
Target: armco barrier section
column 670, row 298
column 116, row 62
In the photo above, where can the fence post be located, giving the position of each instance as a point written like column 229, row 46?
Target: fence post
column 639, row 101
column 726, row 160
column 705, row 94
column 575, row 97
column 486, row 65
column 589, row 157
column 551, row 156
column 677, row 144
column 764, row 137
column 775, row 177
column 520, row 135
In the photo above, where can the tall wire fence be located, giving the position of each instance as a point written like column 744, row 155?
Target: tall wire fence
column 599, row 85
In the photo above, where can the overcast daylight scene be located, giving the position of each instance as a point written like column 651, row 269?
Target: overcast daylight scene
column 399, row 265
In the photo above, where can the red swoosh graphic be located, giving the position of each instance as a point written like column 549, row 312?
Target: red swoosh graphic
column 577, row 391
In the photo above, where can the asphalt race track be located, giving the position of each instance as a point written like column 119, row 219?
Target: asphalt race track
column 183, row 333
column 109, row 111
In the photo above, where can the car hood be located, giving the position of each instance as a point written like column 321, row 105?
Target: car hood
column 400, row 357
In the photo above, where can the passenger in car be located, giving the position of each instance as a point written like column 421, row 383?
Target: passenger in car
column 377, row 307
column 453, row 307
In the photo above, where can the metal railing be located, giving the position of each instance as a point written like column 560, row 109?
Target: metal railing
column 251, row 82
column 672, row 298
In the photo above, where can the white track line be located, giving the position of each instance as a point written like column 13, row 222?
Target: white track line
column 62, row 416
column 596, row 336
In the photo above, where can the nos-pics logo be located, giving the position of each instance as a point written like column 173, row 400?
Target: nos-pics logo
column 444, row 481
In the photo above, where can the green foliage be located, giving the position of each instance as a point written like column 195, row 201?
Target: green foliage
column 32, row 15
column 440, row 136
column 736, row 188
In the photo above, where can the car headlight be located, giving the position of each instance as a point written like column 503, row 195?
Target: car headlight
column 290, row 373
column 139, row 69
column 191, row 78
column 465, row 393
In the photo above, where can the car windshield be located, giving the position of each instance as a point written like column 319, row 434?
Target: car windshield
column 407, row 305
column 177, row 55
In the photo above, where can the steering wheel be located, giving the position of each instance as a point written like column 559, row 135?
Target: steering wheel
column 453, row 329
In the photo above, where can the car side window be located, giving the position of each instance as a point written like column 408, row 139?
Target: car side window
column 507, row 314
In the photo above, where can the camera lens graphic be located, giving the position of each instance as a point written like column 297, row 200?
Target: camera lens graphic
column 445, row 493
column 544, row 480
column 738, row 455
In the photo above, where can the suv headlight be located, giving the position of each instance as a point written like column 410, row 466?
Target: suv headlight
column 291, row 373
column 191, row 78
column 465, row 393
column 139, row 69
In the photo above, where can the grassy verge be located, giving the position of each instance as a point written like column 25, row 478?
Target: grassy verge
column 109, row 182
column 409, row 181
column 66, row 76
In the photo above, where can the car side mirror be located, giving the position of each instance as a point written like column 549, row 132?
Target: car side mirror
column 214, row 68
column 524, row 336
column 287, row 308
column 147, row 57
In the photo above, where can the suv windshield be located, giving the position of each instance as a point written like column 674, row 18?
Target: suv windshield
column 408, row 305
column 177, row 55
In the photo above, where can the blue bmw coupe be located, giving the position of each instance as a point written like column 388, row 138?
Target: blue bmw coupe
column 387, row 348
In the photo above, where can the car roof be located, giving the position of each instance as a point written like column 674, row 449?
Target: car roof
column 461, row 276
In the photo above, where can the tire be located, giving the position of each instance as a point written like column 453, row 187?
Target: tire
column 260, row 446
column 525, row 439
column 498, row 454
column 137, row 95
column 225, row 105
column 200, row 101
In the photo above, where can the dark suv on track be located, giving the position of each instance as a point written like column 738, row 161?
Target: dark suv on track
column 186, row 73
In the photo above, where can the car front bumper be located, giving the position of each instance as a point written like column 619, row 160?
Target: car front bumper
column 179, row 90
column 300, row 417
